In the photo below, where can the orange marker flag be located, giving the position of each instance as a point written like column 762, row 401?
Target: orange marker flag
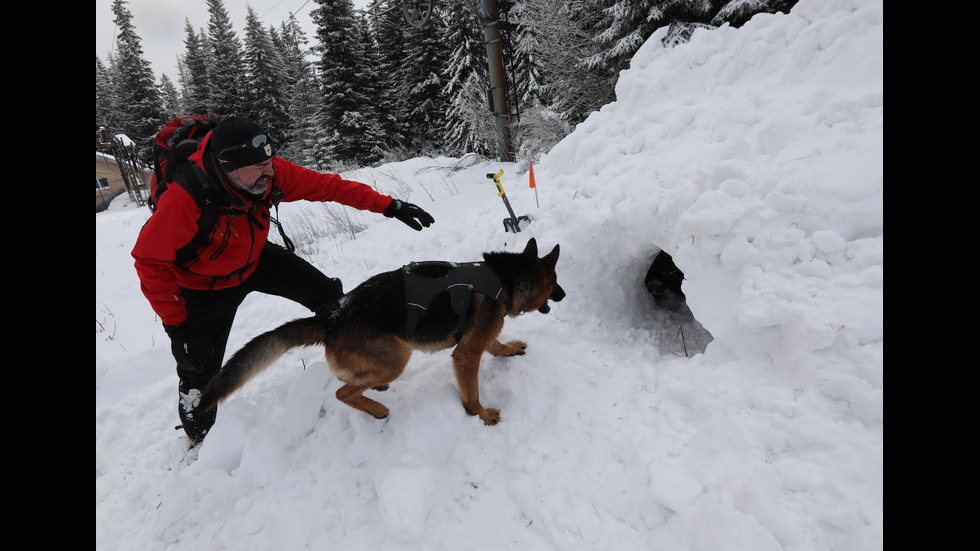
column 532, row 175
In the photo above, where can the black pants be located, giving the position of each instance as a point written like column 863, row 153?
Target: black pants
column 280, row 273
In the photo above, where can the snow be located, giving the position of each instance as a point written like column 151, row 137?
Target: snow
column 754, row 156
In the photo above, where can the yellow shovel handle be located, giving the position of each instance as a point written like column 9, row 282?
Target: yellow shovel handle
column 496, row 180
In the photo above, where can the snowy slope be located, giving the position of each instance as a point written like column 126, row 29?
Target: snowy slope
column 754, row 156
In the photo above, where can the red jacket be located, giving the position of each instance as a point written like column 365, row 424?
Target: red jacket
column 234, row 242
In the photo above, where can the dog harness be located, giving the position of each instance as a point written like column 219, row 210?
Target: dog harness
column 425, row 280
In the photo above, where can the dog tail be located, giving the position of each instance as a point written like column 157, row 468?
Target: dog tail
column 260, row 353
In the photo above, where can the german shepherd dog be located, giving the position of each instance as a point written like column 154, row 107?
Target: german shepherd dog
column 364, row 333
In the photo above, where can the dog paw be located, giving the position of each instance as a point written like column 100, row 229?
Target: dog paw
column 516, row 348
column 378, row 411
column 491, row 417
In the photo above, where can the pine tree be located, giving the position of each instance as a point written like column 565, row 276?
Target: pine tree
column 568, row 89
column 226, row 71
column 172, row 105
column 138, row 113
column 355, row 134
column 390, row 32
column 374, row 141
column 423, row 83
column 622, row 29
column 301, row 91
column 469, row 123
column 105, row 94
column 264, row 77
column 525, row 74
column 194, row 67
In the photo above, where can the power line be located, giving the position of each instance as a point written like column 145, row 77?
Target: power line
column 280, row 2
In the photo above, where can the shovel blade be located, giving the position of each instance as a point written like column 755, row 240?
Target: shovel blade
column 514, row 225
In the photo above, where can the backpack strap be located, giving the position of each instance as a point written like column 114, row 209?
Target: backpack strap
column 199, row 189
column 274, row 199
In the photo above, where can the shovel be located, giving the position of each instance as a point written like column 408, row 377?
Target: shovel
column 513, row 223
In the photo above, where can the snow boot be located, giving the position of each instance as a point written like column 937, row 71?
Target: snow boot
column 195, row 421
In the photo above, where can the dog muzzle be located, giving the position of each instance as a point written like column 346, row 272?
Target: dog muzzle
column 556, row 296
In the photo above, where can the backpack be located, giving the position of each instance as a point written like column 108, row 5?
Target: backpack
column 172, row 146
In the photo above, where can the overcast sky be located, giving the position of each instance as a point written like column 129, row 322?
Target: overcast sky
column 160, row 24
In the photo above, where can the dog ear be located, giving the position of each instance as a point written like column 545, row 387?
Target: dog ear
column 549, row 261
column 531, row 249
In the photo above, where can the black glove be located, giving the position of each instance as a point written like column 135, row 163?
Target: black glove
column 408, row 213
column 190, row 349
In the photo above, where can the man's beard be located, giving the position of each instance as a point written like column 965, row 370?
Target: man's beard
column 258, row 189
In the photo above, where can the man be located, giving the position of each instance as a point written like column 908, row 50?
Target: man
column 197, row 288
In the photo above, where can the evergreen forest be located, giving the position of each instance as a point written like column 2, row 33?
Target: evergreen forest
column 369, row 88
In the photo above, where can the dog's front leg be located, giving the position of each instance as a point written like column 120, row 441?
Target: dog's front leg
column 466, row 362
column 512, row 348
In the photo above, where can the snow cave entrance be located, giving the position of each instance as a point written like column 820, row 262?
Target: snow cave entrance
column 679, row 332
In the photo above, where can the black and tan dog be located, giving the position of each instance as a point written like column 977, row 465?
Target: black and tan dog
column 371, row 332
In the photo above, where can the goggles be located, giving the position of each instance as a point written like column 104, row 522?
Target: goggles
column 258, row 141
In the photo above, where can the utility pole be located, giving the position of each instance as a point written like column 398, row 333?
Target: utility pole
column 498, row 78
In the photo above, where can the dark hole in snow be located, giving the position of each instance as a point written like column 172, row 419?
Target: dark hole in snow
column 663, row 280
column 682, row 333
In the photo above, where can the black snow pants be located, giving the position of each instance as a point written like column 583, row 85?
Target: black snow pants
column 212, row 312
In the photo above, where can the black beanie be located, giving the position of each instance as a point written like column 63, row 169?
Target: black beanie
column 238, row 142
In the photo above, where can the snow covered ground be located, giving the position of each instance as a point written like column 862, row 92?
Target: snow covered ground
column 754, row 156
